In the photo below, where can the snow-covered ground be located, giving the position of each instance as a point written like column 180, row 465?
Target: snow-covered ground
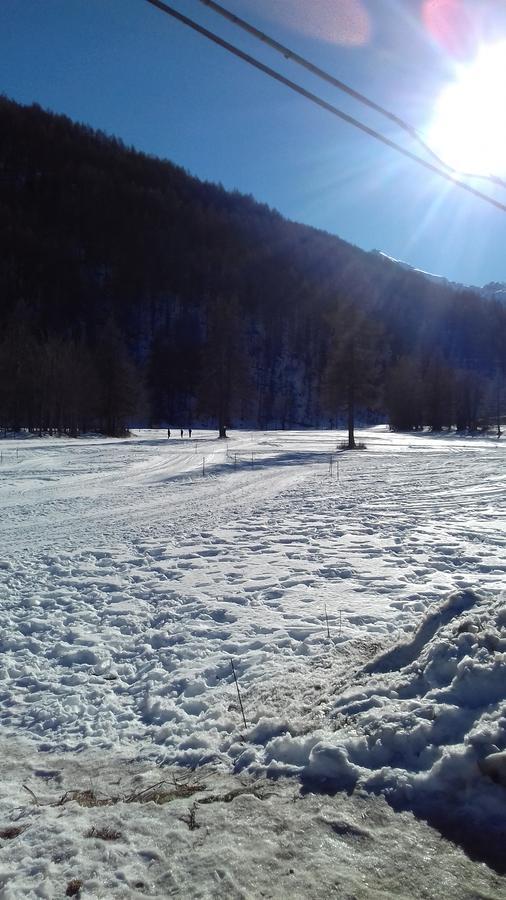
column 361, row 600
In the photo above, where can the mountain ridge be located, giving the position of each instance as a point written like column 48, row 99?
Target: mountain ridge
column 493, row 290
column 151, row 277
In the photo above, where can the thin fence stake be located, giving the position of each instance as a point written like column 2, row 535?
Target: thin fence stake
column 327, row 621
column 203, row 465
column 238, row 693
column 252, row 457
column 235, row 460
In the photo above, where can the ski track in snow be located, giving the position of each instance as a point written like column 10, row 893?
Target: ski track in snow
column 129, row 580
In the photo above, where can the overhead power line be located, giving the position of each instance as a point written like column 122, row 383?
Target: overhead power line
column 341, row 86
column 319, row 101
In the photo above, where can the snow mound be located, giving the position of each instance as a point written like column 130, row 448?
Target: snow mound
column 495, row 766
column 427, row 726
column 424, row 726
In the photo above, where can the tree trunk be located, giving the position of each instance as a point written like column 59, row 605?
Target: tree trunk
column 351, row 424
column 498, row 407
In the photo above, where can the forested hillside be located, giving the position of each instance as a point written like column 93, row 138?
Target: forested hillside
column 132, row 291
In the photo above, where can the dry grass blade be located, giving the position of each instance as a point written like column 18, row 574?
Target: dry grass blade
column 256, row 790
column 191, row 818
column 86, row 798
column 32, row 795
column 156, row 793
column 138, row 796
column 160, row 792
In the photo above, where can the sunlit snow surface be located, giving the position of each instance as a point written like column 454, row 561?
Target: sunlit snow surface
column 132, row 572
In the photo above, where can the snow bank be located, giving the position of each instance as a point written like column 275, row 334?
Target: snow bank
column 426, row 727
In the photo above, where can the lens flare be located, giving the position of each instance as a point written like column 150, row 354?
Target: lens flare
column 344, row 22
column 450, row 24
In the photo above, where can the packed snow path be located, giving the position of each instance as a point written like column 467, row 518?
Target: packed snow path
column 132, row 572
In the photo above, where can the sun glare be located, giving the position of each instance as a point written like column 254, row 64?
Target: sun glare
column 469, row 128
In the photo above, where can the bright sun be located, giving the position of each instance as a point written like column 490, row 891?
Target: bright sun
column 469, row 127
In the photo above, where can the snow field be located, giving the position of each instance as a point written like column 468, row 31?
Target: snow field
column 128, row 581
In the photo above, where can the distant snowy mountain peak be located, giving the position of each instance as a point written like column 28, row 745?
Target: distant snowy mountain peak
column 439, row 278
column 494, row 290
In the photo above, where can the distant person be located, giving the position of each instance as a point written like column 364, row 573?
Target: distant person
column 181, row 432
column 189, row 432
column 168, row 433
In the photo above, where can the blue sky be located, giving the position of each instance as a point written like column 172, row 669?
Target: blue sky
column 124, row 67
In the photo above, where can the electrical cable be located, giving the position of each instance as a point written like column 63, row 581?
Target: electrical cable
column 341, row 86
column 319, row 101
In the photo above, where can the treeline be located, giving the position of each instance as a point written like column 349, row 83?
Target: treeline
column 60, row 385
column 441, row 396
column 130, row 291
